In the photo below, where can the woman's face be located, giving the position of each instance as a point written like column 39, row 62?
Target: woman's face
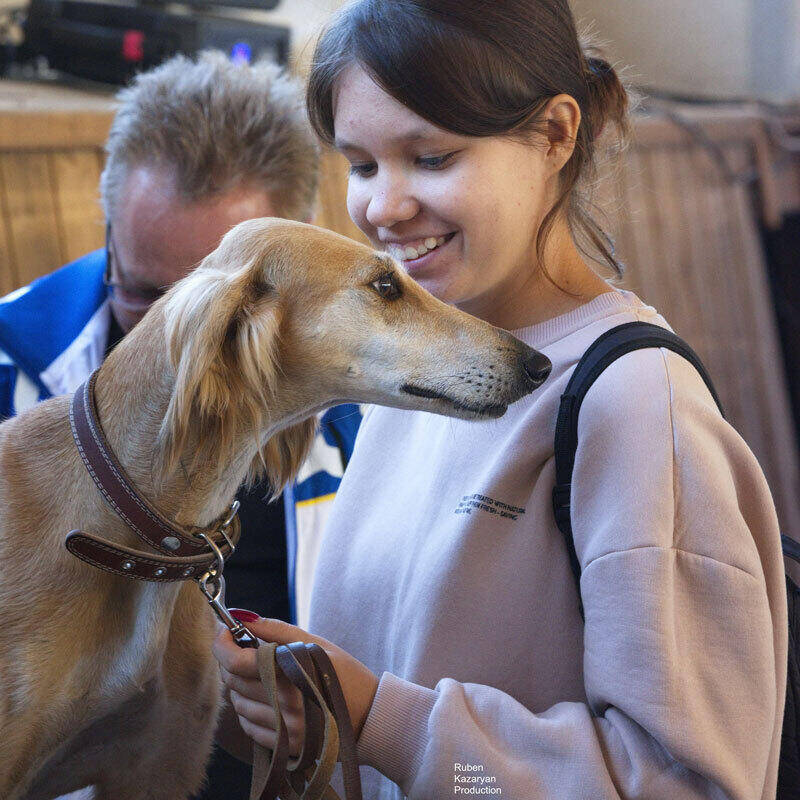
column 460, row 212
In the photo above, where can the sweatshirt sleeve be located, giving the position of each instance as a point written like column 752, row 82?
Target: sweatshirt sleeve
column 685, row 632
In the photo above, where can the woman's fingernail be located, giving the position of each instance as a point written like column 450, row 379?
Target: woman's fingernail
column 243, row 615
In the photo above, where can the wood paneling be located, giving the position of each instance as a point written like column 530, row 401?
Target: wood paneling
column 8, row 280
column 687, row 230
column 51, row 142
column 49, row 211
column 76, row 177
column 32, row 220
column 52, row 131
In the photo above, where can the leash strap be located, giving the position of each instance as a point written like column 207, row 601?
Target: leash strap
column 314, row 715
column 307, row 667
column 332, row 690
column 269, row 766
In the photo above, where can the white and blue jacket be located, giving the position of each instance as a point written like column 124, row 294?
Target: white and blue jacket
column 53, row 335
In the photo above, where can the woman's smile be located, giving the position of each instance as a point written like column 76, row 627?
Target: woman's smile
column 417, row 255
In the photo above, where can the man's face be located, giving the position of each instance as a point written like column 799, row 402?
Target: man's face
column 156, row 237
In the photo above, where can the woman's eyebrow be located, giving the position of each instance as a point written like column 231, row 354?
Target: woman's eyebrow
column 416, row 135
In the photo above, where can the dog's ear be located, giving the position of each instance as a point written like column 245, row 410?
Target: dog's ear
column 222, row 339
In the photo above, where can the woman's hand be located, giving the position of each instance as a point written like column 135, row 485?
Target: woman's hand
column 239, row 670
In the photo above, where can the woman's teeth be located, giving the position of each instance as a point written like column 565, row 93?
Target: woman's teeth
column 410, row 252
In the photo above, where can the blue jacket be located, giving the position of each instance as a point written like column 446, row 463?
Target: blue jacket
column 53, row 335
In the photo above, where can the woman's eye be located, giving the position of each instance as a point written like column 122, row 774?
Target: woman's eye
column 363, row 170
column 386, row 286
column 435, row 162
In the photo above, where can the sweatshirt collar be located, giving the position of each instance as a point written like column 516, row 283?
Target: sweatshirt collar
column 546, row 333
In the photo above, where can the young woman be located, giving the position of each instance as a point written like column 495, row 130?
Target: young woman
column 443, row 588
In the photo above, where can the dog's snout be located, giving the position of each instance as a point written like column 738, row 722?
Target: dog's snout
column 537, row 366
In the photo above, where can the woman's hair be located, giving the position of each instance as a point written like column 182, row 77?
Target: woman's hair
column 480, row 68
column 216, row 123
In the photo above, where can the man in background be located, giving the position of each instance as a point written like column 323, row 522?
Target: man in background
column 196, row 146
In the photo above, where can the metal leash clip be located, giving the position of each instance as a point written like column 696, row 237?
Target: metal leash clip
column 212, row 585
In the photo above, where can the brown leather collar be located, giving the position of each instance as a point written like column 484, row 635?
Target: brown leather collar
column 191, row 551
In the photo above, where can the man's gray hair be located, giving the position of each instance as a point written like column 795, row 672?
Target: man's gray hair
column 217, row 124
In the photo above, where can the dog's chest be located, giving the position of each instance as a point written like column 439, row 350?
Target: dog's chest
column 144, row 628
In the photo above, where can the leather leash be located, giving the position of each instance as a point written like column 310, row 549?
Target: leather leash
column 200, row 553
column 308, row 667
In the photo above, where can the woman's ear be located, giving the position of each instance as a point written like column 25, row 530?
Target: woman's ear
column 563, row 117
column 222, row 333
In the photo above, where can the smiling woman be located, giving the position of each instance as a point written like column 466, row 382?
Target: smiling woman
column 495, row 181
column 443, row 588
column 414, row 60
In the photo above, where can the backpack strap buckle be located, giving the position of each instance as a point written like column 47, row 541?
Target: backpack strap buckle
column 561, row 499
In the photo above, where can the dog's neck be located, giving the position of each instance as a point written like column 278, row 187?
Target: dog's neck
column 132, row 395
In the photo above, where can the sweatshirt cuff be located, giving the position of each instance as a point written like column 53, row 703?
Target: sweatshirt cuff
column 395, row 732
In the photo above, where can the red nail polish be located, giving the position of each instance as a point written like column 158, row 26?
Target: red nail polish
column 243, row 615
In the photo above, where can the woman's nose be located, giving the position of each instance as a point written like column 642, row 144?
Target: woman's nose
column 391, row 202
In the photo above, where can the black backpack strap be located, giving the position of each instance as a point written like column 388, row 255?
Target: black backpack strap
column 602, row 352
column 791, row 548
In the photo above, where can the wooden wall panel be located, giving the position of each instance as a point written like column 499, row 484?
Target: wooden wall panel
column 76, row 178
column 8, row 275
column 51, row 140
column 688, row 234
column 28, row 198
column 706, row 226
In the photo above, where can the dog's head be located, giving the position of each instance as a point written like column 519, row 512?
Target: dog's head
column 285, row 319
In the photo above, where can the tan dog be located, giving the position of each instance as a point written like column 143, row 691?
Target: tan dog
column 109, row 681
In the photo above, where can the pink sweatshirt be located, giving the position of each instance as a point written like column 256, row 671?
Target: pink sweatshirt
column 442, row 570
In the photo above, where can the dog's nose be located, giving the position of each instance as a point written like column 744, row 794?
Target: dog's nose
column 538, row 367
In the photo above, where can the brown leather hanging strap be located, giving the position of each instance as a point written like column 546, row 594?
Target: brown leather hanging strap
column 274, row 778
column 307, row 667
column 311, row 689
column 334, row 696
column 269, row 767
column 300, row 774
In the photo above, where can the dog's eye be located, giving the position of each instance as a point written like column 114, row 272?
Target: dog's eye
column 386, row 286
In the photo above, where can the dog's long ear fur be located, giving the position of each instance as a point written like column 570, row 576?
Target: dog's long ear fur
column 222, row 333
column 284, row 453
